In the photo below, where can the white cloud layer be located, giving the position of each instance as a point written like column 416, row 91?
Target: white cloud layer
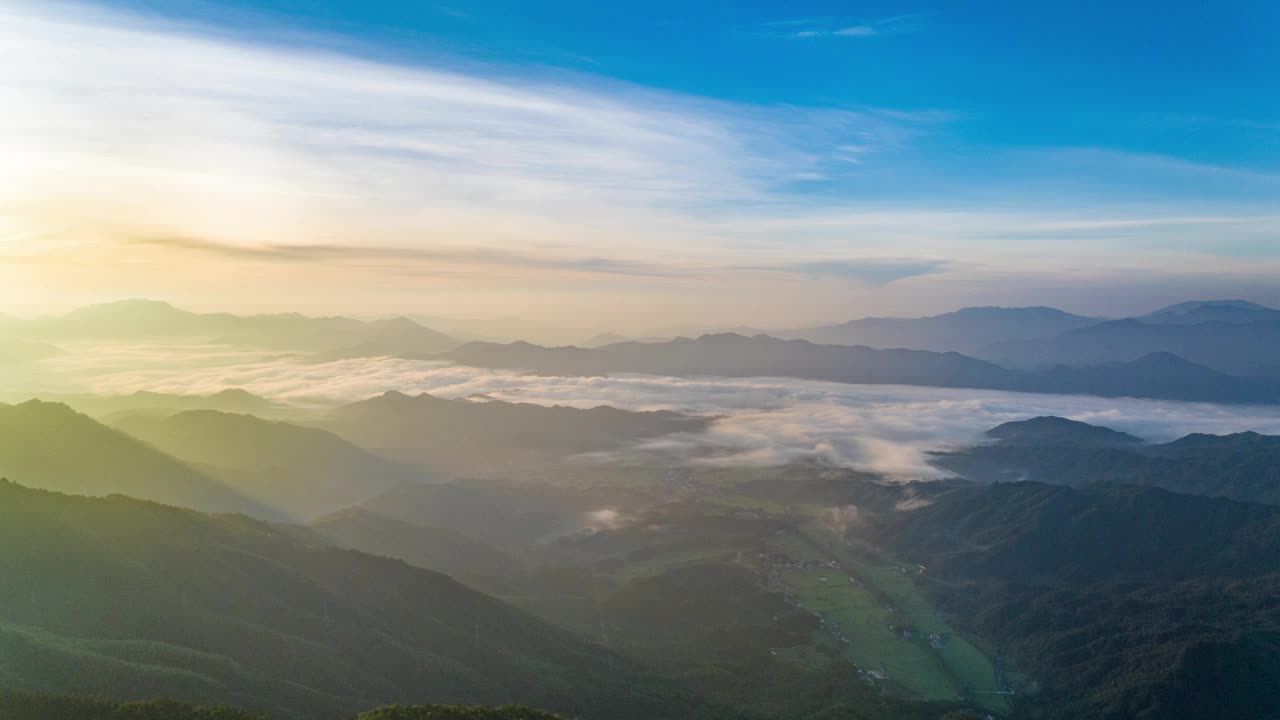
column 761, row 420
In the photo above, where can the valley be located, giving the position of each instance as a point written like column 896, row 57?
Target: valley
column 696, row 360
column 735, row 548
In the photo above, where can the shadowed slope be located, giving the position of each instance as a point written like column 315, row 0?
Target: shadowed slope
column 51, row 446
column 305, row 472
column 132, row 599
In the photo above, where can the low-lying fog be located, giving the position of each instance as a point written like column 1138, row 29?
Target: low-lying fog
column 882, row 428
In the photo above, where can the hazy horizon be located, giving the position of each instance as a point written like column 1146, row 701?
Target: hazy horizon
column 563, row 330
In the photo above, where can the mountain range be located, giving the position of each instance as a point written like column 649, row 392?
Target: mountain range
column 1231, row 336
column 1242, row 466
column 1224, row 350
column 1241, row 348
column 1156, row 375
column 643, row 592
column 157, row 404
column 969, row 330
column 303, row 472
column 234, row 462
column 446, row 436
column 150, row 320
column 51, row 446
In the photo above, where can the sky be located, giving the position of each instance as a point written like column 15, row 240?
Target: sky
column 634, row 166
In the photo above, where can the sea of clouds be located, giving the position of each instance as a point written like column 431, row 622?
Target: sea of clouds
column 879, row 428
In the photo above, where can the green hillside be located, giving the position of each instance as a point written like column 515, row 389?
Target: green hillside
column 51, row 446
column 135, row 600
column 301, row 472
column 1121, row 601
column 446, row 551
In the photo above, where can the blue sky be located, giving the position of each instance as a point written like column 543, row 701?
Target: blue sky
column 1190, row 80
column 840, row 153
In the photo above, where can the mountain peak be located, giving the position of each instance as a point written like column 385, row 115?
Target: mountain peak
column 1196, row 312
column 1199, row 441
column 128, row 306
column 1164, row 359
column 1190, row 305
column 1001, row 311
column 1050, row 429
column 49, row 408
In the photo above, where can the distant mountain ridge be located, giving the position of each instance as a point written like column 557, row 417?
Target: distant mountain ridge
column 1161, row 375
column 447, row 436
column 1229, row 336
column 1205, row 311
column 139, row 320
column 733, row 355
column 1156, row 375
column 1242, row 466
column 1232, row 336
column 145, row 402
column 967, row 330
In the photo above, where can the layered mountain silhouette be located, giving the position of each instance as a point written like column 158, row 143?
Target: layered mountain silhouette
column 201, row 459
column 1156, row 375
column 49, row 445
column 450, row 435
column 1196, row 312
column 139, row 320
column 1231, row 337
column 1160, row 375
column 733, row 355
column 1242, row 466
column 300, row 471
column 968, row 330
column 156, row 404
column 233, row 462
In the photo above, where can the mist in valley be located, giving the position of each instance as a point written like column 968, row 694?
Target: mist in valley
column 638, row 361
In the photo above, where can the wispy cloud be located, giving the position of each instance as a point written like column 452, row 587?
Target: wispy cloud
column 828, row 27
column 423, row 258
column 873, row 271
column 250, row 142
column 119, row 128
